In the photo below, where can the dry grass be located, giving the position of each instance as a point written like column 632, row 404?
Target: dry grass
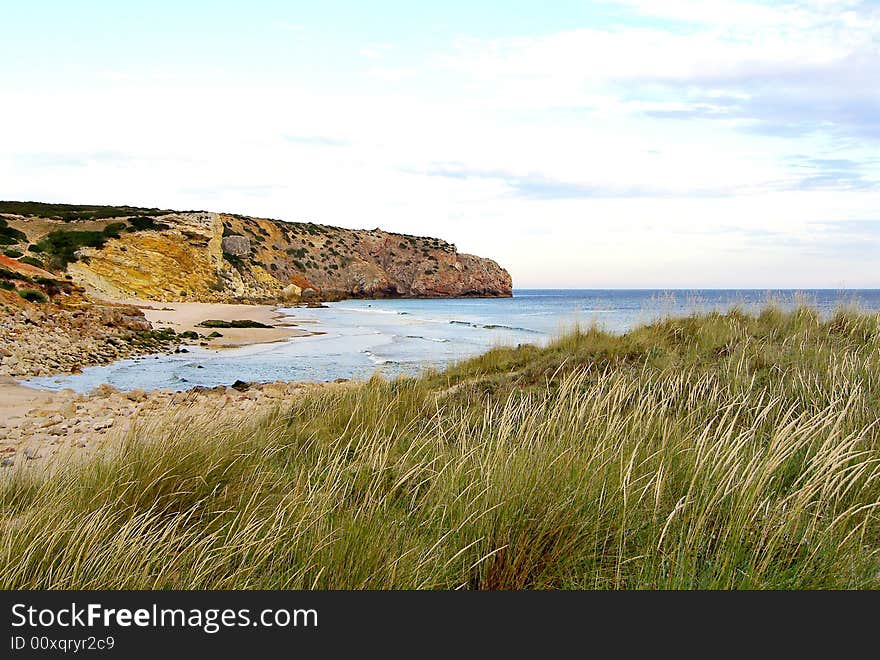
column 716, row 451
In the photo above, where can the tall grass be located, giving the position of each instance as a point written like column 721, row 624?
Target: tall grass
column 715, row 451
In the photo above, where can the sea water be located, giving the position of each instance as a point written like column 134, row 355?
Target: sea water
column 404, row 336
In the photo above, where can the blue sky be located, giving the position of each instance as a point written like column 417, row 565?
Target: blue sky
column 614, row 143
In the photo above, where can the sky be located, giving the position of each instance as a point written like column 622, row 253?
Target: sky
column 592, row 144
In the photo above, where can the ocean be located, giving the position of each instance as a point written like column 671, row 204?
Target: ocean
column 394, row 337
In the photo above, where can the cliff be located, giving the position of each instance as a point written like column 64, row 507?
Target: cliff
column 217, row 257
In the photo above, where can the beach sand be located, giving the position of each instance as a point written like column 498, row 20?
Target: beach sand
column 186, row 316
column 16, row 400
column 40, row 429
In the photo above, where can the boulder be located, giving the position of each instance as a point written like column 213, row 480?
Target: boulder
column 291, row 293
column 237, row 246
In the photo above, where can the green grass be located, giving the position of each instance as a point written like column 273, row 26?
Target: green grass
column 716, row 451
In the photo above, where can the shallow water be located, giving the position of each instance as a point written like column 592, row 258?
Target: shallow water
column 404, row 336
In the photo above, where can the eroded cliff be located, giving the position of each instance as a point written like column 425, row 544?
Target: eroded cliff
column 215, row 257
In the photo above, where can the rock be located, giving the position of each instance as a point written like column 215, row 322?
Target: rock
column 7, row 462
column 103, row 424
column 240, row 385
column 31, row 454
column 136, row 395
column 105, row 391
column 291, row 293
column 237, row 246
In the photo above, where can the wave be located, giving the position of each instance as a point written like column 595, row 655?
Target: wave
column 375, row 359
column 434, row 339
column 496, row 326
column 516, row 328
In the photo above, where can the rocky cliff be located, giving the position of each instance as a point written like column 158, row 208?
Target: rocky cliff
column 216, row 257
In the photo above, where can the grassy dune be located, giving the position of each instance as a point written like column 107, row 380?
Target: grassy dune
column 716, row 451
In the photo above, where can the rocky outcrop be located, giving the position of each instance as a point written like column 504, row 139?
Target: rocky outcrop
column 237, row 246
column 45, row 339
column 212, row 257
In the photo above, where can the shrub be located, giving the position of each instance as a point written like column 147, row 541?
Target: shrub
column 33, row 295
column 36, row 249
column 6, row 274
column 6, row 284
column 61, row 245
column 145, row 223
column 10, row 235
column 114, row 229
column 15, row 254
column 70, row 212
column 32, row 262
column 234, row 260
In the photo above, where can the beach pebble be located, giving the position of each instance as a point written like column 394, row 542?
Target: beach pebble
column 6, row 462
column 103, row 424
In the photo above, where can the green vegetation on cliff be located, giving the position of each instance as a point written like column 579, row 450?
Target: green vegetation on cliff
column 10, row 235
column 71, row 212
column 716, row 451
column 60, row 246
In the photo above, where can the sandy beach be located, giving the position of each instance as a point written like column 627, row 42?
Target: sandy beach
column 183, row 317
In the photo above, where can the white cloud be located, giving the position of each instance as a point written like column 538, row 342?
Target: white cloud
column 375, row 51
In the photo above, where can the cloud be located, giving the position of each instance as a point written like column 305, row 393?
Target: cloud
column 788, row 70
column 831, row 239
column 221, row 190
column 808, row 173
column 537, row 186
column 392, row 74
column 375, row 51
column 71, row 159
column 834, row 173
column 317, row 141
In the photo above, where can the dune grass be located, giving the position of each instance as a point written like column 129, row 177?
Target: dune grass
column 717, row 451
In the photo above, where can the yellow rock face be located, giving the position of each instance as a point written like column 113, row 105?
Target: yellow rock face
column 169, row 265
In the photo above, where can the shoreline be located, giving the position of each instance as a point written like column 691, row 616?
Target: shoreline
column 185, row 317
column 38, row 423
